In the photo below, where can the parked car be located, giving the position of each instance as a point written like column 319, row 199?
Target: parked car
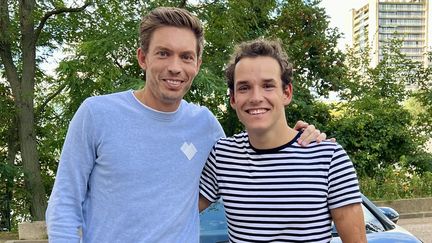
column 380, row 223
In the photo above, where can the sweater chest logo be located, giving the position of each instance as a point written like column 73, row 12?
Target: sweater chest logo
column 189, row 150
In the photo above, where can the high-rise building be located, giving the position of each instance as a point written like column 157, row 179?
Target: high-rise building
column 379, row 21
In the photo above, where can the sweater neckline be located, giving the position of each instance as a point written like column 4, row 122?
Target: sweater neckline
column 159, row 115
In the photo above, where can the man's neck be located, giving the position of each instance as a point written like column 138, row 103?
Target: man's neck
column 149, row 100
column 271, row 139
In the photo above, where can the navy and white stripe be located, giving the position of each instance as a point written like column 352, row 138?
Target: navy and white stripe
column 279, row 195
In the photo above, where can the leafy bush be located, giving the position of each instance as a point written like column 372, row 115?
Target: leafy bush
column 396, row 182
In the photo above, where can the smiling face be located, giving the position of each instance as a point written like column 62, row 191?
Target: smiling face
column 258, row 97
column 171, row 63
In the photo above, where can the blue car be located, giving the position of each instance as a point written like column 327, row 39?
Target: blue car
column 380, row 223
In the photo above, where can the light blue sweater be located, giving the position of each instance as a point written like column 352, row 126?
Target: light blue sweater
column 128, row 173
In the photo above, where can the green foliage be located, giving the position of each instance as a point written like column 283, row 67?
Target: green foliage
column 387, row 80
column 8, row 170
column 311, row 111
column 230, row 22
column 375, row 133
column 397, row 183
column 311, row 45
column 99, row 44
column 303, row 28
column 376, row 129
column 424, row 96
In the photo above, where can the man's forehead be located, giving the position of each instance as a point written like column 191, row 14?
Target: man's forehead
column 168, row 48
column 174, row 39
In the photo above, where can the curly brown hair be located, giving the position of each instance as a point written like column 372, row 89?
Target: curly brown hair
column 256, row 48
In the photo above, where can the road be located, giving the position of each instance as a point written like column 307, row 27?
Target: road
column 420, row 227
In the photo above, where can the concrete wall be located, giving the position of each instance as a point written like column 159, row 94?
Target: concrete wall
column 410, row 208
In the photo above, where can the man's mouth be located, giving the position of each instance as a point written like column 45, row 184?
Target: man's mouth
column 174, row 82
column 256, row 111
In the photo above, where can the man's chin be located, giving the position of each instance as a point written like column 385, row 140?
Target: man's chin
column 172, row 99
column 256, row 129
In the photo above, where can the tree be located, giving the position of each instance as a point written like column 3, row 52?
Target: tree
column 424, row 96
column 8, row 134
column 302, row 26
column 18, row 44
column 311, row 45
column 99, row 43
column 375, row 128
column 106, row 58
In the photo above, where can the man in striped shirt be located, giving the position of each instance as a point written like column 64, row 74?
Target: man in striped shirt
column 273, row 189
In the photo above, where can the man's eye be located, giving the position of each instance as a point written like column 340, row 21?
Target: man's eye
column 188, row 58
column 269, row 86
column 162, row 53
column 243, row 88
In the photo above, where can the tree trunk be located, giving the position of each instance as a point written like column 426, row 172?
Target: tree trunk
column 30, row 159
column 25, row 112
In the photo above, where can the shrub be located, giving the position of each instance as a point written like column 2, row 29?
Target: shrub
column 397, row 183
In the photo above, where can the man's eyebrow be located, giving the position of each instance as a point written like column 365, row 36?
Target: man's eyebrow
column 162, row 48
column 190, row 52
column 241, row 82
column 167, row 49
column 269, row 80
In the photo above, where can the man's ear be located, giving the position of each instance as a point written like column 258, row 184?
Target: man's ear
column 288, row 94
column 232, row 99
column 199, row 61
column 141, row 58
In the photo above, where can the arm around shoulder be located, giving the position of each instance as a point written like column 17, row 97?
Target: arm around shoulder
column 349, row 221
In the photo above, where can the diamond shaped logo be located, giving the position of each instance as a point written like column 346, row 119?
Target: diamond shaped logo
column 189, row 150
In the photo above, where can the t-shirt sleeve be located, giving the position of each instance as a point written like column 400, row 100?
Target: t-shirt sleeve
column 208, row 182
column 343, row 182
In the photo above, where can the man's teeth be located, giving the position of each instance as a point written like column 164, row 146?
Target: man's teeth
column 257, row 111
column 174, row 82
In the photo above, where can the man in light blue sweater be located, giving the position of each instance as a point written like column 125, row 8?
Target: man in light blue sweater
column 131, row 162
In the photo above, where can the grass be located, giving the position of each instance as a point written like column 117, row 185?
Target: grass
column 8, row 236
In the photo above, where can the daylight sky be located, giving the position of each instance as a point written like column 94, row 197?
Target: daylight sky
column 339, row 13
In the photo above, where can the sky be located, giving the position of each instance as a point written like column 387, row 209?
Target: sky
column 340, row 17
column 339, row 13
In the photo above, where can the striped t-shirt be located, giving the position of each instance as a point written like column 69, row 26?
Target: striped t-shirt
column 279, row 195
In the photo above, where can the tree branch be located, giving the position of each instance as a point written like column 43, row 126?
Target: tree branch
column 6, row 50
column 56, row 12
column 42, row 106
column 116, row 62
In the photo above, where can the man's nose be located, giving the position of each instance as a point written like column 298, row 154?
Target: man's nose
column 174, row 66
column 256, row 95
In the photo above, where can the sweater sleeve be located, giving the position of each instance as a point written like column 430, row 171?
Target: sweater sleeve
column 64, row 213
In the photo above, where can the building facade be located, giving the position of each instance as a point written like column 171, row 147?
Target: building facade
column 379, row 21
